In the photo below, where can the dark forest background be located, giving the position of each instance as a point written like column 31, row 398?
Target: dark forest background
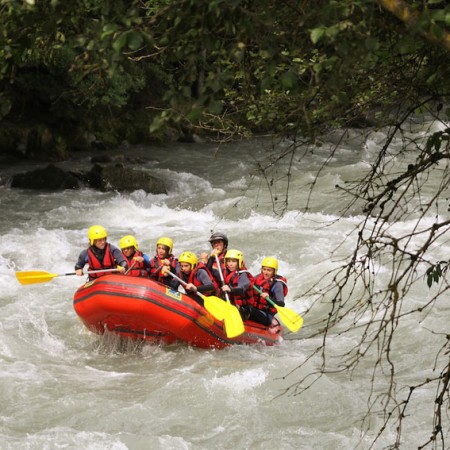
column 95, row 73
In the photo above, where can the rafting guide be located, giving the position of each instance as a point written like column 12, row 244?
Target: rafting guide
column 100, row 254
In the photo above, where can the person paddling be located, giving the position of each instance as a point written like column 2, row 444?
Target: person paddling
column 196, row 276
column 238, row 282
column 163, row 258
column 272, row 286
column 138, row 262
column 219, row 244
column 100, row 254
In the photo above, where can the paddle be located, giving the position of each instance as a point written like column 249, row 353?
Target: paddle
column 236, row 313
column 39, row 276
column 132, row 265
column 221, row 311
column 290, row 318
column 219, row 268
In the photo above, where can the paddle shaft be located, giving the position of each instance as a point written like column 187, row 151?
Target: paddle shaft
column 290, row 318
column 219, row 268
column 129, row 268
column 184, row 283
column 39, row 276
column 267, row 298
column 89, row 272
column 237, row 319
column 221, row 311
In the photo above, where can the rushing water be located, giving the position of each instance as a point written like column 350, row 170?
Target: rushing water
column 63, row 387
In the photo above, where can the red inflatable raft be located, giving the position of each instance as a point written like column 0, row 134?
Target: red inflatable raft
column 140, row 308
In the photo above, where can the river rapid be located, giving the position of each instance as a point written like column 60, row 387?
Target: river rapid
column 64, row 387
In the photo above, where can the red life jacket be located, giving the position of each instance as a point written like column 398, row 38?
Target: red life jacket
column 95, row 264
column 138, row 269
column 196, row 282
column 232, row 279
column 266, row 286
column 221, row 261
column 223, row 268
column 156, row 263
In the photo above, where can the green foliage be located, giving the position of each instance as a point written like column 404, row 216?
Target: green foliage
column 67, row 64
column 274, row 67
column 436, row 272
column 215, row 65
column 435, row 141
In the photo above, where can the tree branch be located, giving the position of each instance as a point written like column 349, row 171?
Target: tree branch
column 411, row 19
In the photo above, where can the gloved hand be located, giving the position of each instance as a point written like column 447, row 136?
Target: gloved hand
column 121, row 269
column 190, row 287
column 165, row 271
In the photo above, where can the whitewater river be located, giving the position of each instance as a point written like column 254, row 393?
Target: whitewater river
column 64, row 387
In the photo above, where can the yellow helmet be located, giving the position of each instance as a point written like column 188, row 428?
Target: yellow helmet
column 96, row 232
column 128, row 241
column 190, row 258
column 235, row 254
column 167, row 242
column 270, row 262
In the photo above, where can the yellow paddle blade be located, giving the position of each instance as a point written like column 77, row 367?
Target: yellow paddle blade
column 290, row 318
column 233, row 322
column 225, row 311
column 33, row 277
column 215, row 306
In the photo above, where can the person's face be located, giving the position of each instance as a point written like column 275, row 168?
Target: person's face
column 162, row 251
column 100, row 243
column 232, row 264
column 267, row 272
column 218, row 245
column 129, row 251
column 185, row 268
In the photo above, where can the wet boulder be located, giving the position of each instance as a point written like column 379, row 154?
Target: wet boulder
column 50, row 178
column 120, row 178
